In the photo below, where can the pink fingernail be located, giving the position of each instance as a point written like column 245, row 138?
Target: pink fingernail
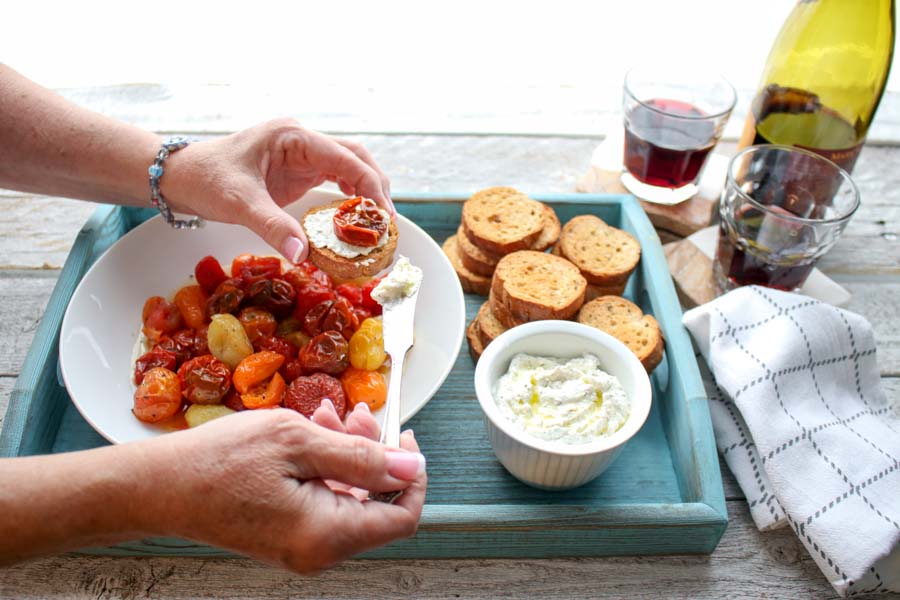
column 405, row 465
column 293, row 249
column 327, row 403
column 362, row 407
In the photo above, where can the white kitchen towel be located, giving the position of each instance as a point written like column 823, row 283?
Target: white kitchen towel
column 803, row 422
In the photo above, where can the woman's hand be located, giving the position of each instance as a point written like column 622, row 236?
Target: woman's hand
column 247, row 178
column 255, row 483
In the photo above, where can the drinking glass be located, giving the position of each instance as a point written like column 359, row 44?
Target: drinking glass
column 671, row 124
column 781, row 210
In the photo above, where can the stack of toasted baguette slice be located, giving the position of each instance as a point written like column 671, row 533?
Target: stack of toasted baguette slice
column 495, row 222
column 499, row 251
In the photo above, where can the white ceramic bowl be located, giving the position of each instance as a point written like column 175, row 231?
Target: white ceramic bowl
column 547, row 464
column 103, row 320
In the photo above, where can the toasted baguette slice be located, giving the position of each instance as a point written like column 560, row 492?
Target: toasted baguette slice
column 489, row 326
column 534, row 286
column 595, row 291
column 475, row 345
column 550, row 232
column 341, row 267
column 474, row 258
column 605, row 255
column 500, row 220
column 502, row 314
column 471, row 282
column 626, row 322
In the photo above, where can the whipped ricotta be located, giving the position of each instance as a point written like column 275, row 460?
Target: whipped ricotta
column 572, row 401
column 319, row 228
column 402, row 282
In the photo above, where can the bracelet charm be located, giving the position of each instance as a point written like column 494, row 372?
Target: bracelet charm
column 156, row 170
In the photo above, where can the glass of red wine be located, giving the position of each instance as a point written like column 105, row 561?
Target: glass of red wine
column 671, row 124
column 781, row 210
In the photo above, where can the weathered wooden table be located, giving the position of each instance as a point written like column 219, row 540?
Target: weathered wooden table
column 36, row 233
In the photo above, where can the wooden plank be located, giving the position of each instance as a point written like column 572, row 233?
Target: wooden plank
column 36, row 231
column 747, row 563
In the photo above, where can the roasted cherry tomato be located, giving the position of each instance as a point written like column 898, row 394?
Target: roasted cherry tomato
column 317, row 274
column 257, row 322
column 204, row 380
column 364, row 386
column 361, row 313
column 233, row 400
column 176, row 345
column 326, row 352
column 249, row 268
column 192, row 341
column 310, row 296
column 315, row 318
column 274, row 295
column 341, row 318
column 305, row 394
column 265, row 395
column 191, row 303
column 226, row 299
column 157, row 357
column 351, row 292
column 368, row 302
column 273, row 343
column 209, row 274
column 160, row 317
column 255, row 369
column 359, row 222
column 158, row 397
column 367, row 346
column 291, row 370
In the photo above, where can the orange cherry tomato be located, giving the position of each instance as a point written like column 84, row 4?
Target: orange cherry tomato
column 255, row 369
column 158, row 397
column 265, row 395
column 257, row 322
column 364, row 386
column 191, row 303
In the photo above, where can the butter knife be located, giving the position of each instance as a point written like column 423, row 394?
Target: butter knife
column 398, row 317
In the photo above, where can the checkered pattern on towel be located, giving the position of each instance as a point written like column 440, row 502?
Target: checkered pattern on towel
column 802, row 421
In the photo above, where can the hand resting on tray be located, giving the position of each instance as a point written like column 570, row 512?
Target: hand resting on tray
column 262, row 483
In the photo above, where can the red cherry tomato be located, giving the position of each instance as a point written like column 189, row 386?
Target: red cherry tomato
column 204, row 380
column 359, row 222
column 157, row 357
column 209, row 274
column 327, row 352
column 361, row 313
column 305, row 394
column 309, row 296
column 367, row 301
column 177, row 345
column 192, row 341
column 340, row 318
column 274, row 295
column 249, row 268
column 158, row 397
column 315, row 318
column 160, row 317
column 274, row 343
column 351, row 292
column 233, row 401
column 226, row 299
column 318, row 275
column 291, row 370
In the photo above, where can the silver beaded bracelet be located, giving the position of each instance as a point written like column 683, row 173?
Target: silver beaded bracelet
column 156, row 170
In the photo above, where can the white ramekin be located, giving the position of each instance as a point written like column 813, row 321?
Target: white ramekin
column 554, row 465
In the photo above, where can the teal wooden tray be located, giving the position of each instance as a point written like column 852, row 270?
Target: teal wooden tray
column 663, row 494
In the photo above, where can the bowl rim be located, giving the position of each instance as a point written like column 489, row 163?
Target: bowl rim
column 640, row 404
